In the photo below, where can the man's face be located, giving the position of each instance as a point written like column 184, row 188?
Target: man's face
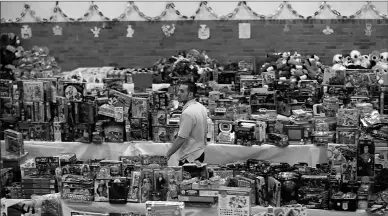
column 183, row 94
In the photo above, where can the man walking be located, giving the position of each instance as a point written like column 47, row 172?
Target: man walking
column 191, row 140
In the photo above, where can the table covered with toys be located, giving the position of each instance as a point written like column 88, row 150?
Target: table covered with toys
column 292, row 136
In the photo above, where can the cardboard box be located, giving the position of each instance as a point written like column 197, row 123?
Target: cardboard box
column 234, row 201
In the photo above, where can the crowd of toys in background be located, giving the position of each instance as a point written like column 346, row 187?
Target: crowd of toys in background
column 292, row 99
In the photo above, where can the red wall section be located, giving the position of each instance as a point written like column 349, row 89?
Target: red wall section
column 78, row 48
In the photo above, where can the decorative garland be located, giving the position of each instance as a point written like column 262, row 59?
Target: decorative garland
column 94, row 8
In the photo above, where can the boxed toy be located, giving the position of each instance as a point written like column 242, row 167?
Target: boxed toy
column 146, row 185
column 14, row 142
column 113, row 166
column 234, row 201
column 295, row 210
column 161, row 208
column 33, row 91
column 114, row 132
column 159, row 118
column 118, row 190
column 160, row 186
column 365, row 158
column 347, row 136
column 223, row 132
column 134, row 189
column 101, row 190
column 348, row 117
column 139, row 107
column 274, row 191
column 175, row 177
column 77, row 188
column 160, row 134
column 40, row 131
column 313, row 192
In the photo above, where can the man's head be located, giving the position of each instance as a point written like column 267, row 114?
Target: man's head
column 187, row 91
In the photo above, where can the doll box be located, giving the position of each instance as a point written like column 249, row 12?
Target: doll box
column 14, row 142
column 234, row 201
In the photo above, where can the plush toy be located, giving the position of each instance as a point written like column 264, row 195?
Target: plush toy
column 384, row 57
column 374, row 57
column 365, row 62
column 354, row 61
column 338, row 63
column 381, row 72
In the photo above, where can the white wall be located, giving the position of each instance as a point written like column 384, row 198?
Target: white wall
column 12, row 10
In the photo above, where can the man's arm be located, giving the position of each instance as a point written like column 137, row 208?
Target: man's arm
column 178, row 142
column 186, row 125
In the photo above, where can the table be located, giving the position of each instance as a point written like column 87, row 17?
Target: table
column 67, row 208
column 214, row 153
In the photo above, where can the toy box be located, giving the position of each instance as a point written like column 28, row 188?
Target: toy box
column 14, row 142
column 223, row 132
column 114, row 132
column 146, row 185
column 248, row 133
column 160, row 185
column 161, row 208
column 118, row 190
column 134, row 189
column 347, row 136
column 365, row 158
column 295, row 210
column 76, row 188
column 159, row 118
column 113, row 166
column 139, row 107
column 160, row 134
column 174, row 176
column 101, row 192
column 234, row 201
column 313, row 192
column 245, row 182
column 348, row 117
column 274, row 191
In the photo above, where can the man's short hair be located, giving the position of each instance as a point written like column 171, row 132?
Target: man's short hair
column 191, row 87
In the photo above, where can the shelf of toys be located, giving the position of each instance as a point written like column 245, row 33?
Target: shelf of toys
column 316, row 130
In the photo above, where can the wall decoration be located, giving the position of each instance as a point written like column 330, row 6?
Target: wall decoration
column 286, row 28
column 328, row 30
column 168, row 30
column 130, row 31
column 244, row 30
column 96, row 31
column 26, row 32
column 170, row 7
column 203, row 32
column 57, row 30
column 368, row 29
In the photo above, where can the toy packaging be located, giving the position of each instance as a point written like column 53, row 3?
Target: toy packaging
column 274, row 191
column 4, row 207
column 366, row 159
column 157, row 208
column 161, row 185
column 313, row 192
column 234, row 201
column 101, row 192
column 146, row 185
column 74, row 91
column 76, row 188
column 223, row 132
column 134, row 190
column 14, row 142
column 118, row 190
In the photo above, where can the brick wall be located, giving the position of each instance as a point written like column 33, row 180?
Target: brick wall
column 78, row 48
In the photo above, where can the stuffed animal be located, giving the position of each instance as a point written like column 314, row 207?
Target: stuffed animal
column 365, row 62
column 374, row 57
column 338, row 63
column 355, row 60
column 384, row 57
column 381, row 72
